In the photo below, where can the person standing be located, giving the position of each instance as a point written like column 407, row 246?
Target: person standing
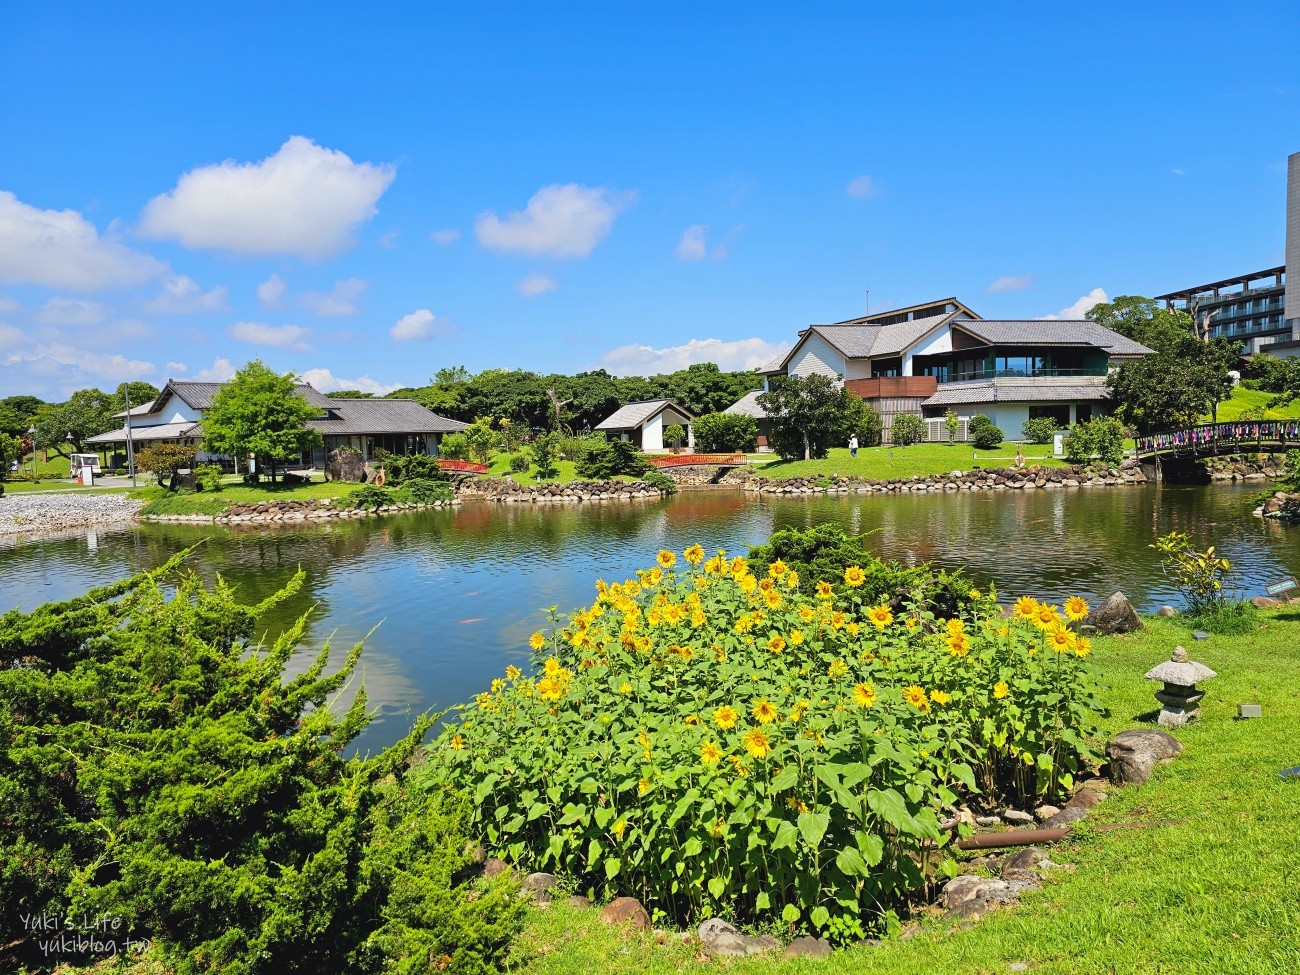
column 853, row 445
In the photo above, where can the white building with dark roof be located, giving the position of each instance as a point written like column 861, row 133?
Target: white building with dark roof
column 644, row 423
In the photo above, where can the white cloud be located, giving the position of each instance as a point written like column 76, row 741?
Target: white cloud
column 10, row 336
column 1179, row 172
column 389, row 240
column 1081, row 307
column 559, row 221
column 220, row 371
column 692, row 246
column 69, row 363
column 305, row 200
column 70, row 311
column 327, row 382
column 8, row 304
column 177, row 367
column 861, row 187
column 182, row 295
column 645, row 360
column 1010, row 282
column 339, row 300
column 535, row 284
column 277, row 336
column 62, row 249
column 271, row 292
column 420, row 324
column 445, row 237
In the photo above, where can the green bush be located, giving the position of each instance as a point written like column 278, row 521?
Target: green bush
column 160, row 768
column 675, row 435
column 163, row 460
column 660, row 480
column 726, row 433
column 368, row 496
column 861, row 418
column 605, row 459
column 1233, row 618
column 399, row 468
column 420, row 490
column 1198, row 576
column 1040, row 429
column 545, row 451
column 518, row 463
column 207, row 477
column 983, row 433
column 908, row 428
column 710, row 741
column 1102, row 437
column 454, row 446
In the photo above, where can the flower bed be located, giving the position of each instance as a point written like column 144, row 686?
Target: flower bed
column 712, row 740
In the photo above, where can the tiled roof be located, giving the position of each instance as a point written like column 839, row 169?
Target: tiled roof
column 377, row 416
column 634, row 414
column 866, row 341
column 1052, row 332
column 162, row 431
column 199, row 395
column 140, row 410
column 955, row 394
column 747, row 405
column 893, row 339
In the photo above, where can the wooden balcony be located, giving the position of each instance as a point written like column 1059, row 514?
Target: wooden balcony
column 893, row 387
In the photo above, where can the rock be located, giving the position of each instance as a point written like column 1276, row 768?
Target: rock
column 1067, row 816
column 1044, row 813
column 492, row 866
column 1023, row 859
column 712, row 928
column 1017, row 818
column 1088, row 795
column 968, row 887
column 988, row 820
column 1166, row 611
column 1264, row 602
column 1018, row 966
column 808, row 947
column 1133, row 754
column 740, row 945
column 578, row 900
column 626, row 911
column 1115, row 615
column 537, row 887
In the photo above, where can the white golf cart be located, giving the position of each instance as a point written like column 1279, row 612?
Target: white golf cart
column 84, row 467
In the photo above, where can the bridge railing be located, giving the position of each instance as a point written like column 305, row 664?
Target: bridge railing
column 1207, row 437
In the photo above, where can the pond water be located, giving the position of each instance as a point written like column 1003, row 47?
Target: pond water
column 452, row 595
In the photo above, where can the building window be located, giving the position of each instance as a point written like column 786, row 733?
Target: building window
column 1082, row 412
column 1059, row 413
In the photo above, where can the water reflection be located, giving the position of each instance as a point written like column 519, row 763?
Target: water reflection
column 455, row 593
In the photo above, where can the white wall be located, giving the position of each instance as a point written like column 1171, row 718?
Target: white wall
column 176, row 411
column 936, row 342
column 652, row 433
column 816, row 355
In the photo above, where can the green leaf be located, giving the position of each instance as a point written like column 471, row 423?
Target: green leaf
column 813, row 826
column 850, row 861
column 788, row 778
column 892, row 808
column 763, row 901
column 963, row 774
column 871, row 846
column 537, row 810
column 692, row 847
column 790, row 914
column 717, row 887
column 612, row 867
column 819, row 917
column 786, row 835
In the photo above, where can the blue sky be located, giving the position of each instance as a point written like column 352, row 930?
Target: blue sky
column 364, row 193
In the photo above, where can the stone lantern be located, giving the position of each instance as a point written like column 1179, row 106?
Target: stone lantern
column 1180, row 699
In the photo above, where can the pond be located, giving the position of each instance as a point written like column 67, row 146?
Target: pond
column 452, row 595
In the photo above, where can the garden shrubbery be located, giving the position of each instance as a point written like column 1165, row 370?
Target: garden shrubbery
column 415, row 491
column 604, row 459
column 1039, row 430
column 712, row 739
column 907, row 429
column 725, row 432
column 159, row 768
column 984, row 433
column 1102, row 438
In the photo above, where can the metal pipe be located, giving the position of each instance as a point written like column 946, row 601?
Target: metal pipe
column 1020, row 837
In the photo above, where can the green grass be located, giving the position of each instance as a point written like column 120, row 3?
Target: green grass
column 1253, row 399
column 499, row 466
column 160, row 501
column 878, row 463
column 1202, row 884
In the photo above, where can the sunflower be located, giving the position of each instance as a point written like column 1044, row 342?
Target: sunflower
column 916, row 697
column 854, row 576
column 824, row 590
column 691, row 720
column 776, row 644
column 1001, row 690
column 537, row 640
column 694, row 555
column 1026, row 607
column 739, row 566
column 837, row 669
column 666, row 558
column 765, row 712
column 756, row 744
column 880, row 616
column 656, row 576
column 772, row 599
column 513, row 672
column 1082, row 646
column 619, row 828
column 864, row 694
column 911, row 622
column 643, row 787
column 958, row 644
column 550, row 688
column 940, row 697
column 1060, row 639
column 456, row 743
column 806, row 613
column 498, row 685
column 710, row 753
column 1046, row 616
column 726, row 717
column 738, row 766
column 1076, row 608
column 715, row 565
column 625, row 688
column 777, row 569
column 796, row 805
column 552, row 666
column 954, row 626
column 747, row 583
column 792, row 580
column 796, row 637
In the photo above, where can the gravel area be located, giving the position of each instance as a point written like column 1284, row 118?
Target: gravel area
column 40, row 514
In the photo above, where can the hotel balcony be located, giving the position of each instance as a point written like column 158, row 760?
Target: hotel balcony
column 901, row 387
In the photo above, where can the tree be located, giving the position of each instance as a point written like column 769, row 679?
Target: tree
column 807, row 414
column 349, row 394
column 12, row 422
column 861, row 420
column 1143, row 320
column 1176, row 386
column 1040, row 429
column 64, row 427
column 163, row 460
column 1218, row 357
column 545, row 449
column 260, row 412
column 952, row 423
column 10, row 450
column 718, row 432
column 907, row 429
column 481, row 438
column 140, row 393
column 675, row 435
column 984, row 433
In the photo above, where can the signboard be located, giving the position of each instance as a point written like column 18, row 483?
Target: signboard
column 1282, row 587
column 1058, row 445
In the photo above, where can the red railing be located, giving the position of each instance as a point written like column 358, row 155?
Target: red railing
column 693, row 460
column 462, row 466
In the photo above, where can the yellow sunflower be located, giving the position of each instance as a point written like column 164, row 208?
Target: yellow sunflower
column 864, row 694
column 715, row 565
column 796, row 637
column 824, row 590
column 1060, row 639
column 726, row 717
column 940, row 697
column 1001, row 690
column 694, row 555
column 916, row 697
column 1026, row 607
column 880, row 616
column 792, row 580
column 955, row 626
column 1046, row 616
column 1082, row 646
column 691, row 720
column 776, row 644
column 456, row 743
column 765, row 712
column 666, row 559
column 550, row 688
column 513, row 672
column 772, row 599
column 739, row 566
column 747, row 583
column 837, row 669
column 756, row 744
column 854, row 576
column 625, row 688
column 777, row 569
column 1076, row 608
column 710, row 753
column 958, row 644
column 619, row 828
column 537, row 640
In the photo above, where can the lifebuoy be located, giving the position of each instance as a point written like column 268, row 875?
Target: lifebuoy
column 379, row 479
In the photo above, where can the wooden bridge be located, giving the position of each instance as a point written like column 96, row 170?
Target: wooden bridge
column 1211, row 439
column 661, row 461
column 461, row 466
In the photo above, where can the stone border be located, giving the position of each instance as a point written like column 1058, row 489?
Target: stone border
column 993, row 479
column 506, row 491
column 291, row 512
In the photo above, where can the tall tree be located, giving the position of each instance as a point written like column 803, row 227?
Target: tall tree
column 260, row 412
column 64, row 427
column 1143, row 320
column 807, row 414
column 140, row 393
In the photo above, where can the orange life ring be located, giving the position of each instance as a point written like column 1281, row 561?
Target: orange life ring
column 379, row 479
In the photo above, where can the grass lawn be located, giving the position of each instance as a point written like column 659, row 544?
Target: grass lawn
column 499, row 466
column 1244, row 399
column 160, row 501
column 879, row 463
column 1203, row 884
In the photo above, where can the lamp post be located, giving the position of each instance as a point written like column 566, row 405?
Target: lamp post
column 31, row 437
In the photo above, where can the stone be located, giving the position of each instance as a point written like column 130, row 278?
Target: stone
column 1249, row 711
column 1179, row 697
column 712, row 928
column 492, row 866
column 1086, row 797
column 988, row 820
column 1066, row 817
column 1044, row 813
column 1017, row 818
column 537, row 887
column 1018, row 966
column 1115, row 615
column 578, row 900
column 741, row 945
column 626, row 912
column 1025, row 858
column 1166, row 611
column 968, row 887
column 1133, row 754
column 1264, row 602
column 808, row 947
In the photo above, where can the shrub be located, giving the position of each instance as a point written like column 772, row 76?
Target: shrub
column 984, row 434
column 368, row 496
column 1040, row 429
column 399, row 468
column 675, row 435
column 573, row 448
column 1233, row 618
column 861, row 418
column 1198, row 576
column 420, row 490
column 544, row 450
column 160, row 767
column 207, row 477
column 660, row 480
column 908, row 428
column 610, row 458
column 726, row 433
column 1102, row 437
column 163, row 460
column 712, row 742
column 951, row 424
column 454, row 446
column 480, row 438
column 518, row 463
column 1289, row 476
column 294, row 480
